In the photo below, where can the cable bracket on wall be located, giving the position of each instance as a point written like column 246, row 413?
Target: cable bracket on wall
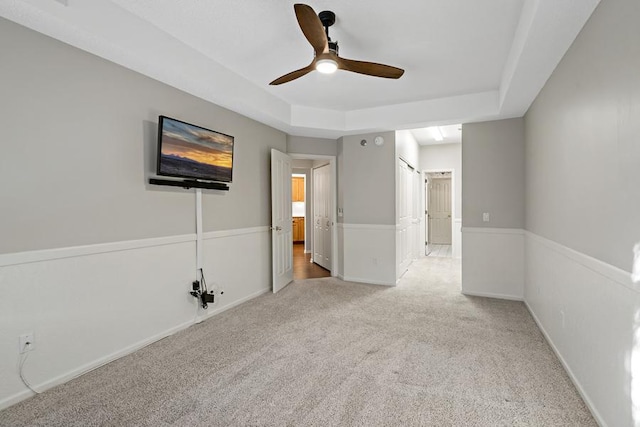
column 199, row 290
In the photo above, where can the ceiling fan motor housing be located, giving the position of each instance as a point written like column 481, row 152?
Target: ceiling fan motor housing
column 333, row 47
column 327, row 18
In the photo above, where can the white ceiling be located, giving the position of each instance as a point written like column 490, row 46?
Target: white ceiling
column 464, row 60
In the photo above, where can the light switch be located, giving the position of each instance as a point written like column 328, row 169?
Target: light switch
column 485, row 217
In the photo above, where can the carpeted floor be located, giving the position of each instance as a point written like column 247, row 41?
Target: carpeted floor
column 324, row 352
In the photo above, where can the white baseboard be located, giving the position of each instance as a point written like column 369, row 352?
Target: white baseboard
column 229, row 306
column 365, row 281
column 567, row 368
column 492, row 295
column 68, row 376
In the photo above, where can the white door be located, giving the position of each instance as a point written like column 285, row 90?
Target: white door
column 281, row 220
column 322, row 216
column 440, row 211
column 427, row 183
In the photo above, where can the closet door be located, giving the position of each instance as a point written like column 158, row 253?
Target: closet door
column 322, row 216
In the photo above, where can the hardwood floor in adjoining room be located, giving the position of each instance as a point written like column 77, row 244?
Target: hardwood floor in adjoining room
column 303, row 268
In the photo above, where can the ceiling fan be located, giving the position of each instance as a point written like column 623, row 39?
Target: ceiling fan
column 326, row 60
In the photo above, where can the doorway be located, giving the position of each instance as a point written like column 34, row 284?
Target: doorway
column 438, row 214
column 313, row 182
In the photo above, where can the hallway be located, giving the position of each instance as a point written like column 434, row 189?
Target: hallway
column 303, row 268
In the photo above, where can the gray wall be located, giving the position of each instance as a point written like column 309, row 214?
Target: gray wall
column 366, row 179
column 583, row 141
column 307, row 145
column 445, row 156
column 78, row 142
column 493, row 180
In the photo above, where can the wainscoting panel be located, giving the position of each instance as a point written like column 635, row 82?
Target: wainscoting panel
column 369, row 253
column 589, row 312
column 90, row 305
column 493, row 262
column 238, row 264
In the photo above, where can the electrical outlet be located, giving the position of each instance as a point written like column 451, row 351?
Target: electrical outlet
column 485, row 217
column 27, row 343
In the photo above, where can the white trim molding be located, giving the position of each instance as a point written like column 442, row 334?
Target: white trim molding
column 99, row 248
column 489, row 230
column 235, row 232
column 615, row 274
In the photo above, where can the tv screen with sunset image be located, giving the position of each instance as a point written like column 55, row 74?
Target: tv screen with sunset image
column 190, row 151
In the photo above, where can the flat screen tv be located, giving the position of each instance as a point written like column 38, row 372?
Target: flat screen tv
column 190, row 151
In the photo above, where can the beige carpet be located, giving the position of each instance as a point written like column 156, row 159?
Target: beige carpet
column 324, row 352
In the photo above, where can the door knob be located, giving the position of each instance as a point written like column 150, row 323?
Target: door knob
column 276, row 228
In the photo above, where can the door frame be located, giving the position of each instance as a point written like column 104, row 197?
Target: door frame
column 334, row 203
column 306, row 197
column 423, row 230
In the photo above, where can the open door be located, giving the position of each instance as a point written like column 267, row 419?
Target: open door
column 281, row 220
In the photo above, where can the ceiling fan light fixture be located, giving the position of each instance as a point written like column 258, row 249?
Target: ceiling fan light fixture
column 326, row 66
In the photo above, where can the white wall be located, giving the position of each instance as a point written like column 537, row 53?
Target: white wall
column 94, row 260
column 582, row 211
column 447, row 157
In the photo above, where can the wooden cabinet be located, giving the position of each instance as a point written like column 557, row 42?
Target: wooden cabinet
column 298, row 229
column 297, row 189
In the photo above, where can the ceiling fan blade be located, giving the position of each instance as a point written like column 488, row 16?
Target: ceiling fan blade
column 293, row 75
column 370, row 68
column 312, row 28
